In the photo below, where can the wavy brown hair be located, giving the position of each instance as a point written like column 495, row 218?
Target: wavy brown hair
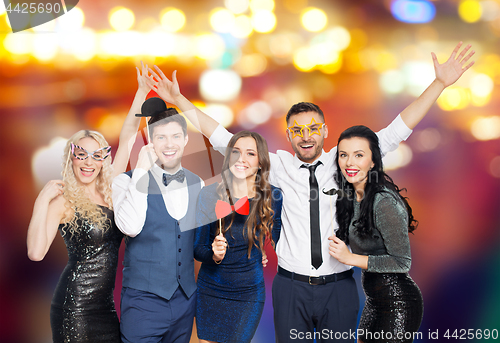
column 259, row 222
column 78, row 204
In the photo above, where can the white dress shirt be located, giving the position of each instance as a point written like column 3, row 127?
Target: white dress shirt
column 130, row 198
column 294, row 246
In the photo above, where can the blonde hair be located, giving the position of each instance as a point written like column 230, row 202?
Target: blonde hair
column 79, row 205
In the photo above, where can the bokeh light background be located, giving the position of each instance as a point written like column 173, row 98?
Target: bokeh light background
column 246, row 62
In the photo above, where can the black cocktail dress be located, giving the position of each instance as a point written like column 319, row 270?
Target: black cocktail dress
column 83, row 309
column 394, row 307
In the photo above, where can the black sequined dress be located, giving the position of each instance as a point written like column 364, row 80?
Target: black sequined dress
column 394, row 307
column 83, row 309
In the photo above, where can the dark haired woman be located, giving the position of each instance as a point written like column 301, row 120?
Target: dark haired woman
column 231, row 290
column 375, row 219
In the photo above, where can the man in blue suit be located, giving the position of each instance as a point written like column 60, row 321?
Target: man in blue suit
column 155, row 206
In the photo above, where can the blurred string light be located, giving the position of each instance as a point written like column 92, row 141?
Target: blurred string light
column 313, row 19
column 302, row 60
column 221, row 113
column 323, row 52
column 251, row 65
column 295, row 6
column 222, row 20
column 48, row 26
column 71, row 21
column 392, row 82
column 427, row 139
column 418, row 75
column 454, row 98
column 259, row 5
column 470, row 11
column 490, row 10
column 255, row 114
column 126, row 43
column 46, row 163
column 19, row 44
column 379, row 59
column 263, row 21
column 110, row 125
column 398, row 158
column 237, row 6
column 45, row 47
column 283, row 44
column 121, row 18
column 172, row 19
column 486, row 128
column 413, row 11
column 495, row 167
column 242, row 26
column 160, row 43
column 481, row 85
column 209, row 46
column 220, row 85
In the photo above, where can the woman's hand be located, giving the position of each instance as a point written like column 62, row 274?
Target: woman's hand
column 339, row 250
column 451, row 70
column 264, row 260
column 143, row 78
column 219, row 248
column 166, row 89
column 51, row 190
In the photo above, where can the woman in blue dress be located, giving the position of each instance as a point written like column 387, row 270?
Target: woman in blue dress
column 231, row 290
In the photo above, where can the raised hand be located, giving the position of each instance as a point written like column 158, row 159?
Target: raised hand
column 52, row 190
column 219, row 248
column 147, row 157
column 166, row 89
column 143, row 77
column 451, row 70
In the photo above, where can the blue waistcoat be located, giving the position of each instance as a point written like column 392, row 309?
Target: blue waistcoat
column 160, row 258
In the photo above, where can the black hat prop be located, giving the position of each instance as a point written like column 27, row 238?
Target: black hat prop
column 155, row 108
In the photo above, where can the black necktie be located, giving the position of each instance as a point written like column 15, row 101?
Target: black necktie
column 316, row 259
column 179, row 177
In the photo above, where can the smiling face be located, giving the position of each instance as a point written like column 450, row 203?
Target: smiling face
column 355, row 160
column 244, row 159
column 169, row 142
column 87, row 170
column 308, row 147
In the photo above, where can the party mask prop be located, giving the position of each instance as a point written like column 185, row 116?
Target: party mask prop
column 82, row 154
column 298, row 130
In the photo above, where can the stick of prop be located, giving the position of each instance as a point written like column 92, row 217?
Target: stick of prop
column 66, row 166
column 147, row 125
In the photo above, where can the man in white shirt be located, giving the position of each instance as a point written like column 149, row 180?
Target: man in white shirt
column 314, row 295
column 155, row 205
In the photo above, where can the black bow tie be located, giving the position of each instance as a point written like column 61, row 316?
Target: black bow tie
column 179, row 177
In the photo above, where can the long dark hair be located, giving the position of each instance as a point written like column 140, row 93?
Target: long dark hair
column 259, row 222
column 377, row 181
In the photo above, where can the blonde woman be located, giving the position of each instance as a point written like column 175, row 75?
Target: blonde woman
column 80, row 207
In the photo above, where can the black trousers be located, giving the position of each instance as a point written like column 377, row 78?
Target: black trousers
column 303, row 312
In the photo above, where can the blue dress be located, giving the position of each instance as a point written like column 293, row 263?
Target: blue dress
column 230, row 295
